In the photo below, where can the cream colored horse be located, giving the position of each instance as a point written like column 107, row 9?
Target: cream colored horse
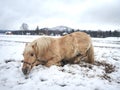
column 49, row 51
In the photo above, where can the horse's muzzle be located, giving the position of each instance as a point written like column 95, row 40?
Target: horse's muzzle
column 25, row 70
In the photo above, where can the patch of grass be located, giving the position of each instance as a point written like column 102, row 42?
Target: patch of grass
column 7, row 61
column 62, row 85
column 108, row 68
column 42, row 80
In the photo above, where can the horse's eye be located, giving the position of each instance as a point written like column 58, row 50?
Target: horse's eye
column 31, row 54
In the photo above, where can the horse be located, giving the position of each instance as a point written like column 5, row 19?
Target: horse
column 71, row 48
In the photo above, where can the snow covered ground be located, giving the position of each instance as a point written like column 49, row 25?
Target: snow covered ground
column 103, row 75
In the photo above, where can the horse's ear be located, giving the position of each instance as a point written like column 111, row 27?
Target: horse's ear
column 34, row 45
column 26, row 44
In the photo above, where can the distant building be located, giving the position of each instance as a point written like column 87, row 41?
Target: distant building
column 8, row 33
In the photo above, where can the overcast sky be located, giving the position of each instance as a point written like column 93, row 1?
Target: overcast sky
column 82, row 14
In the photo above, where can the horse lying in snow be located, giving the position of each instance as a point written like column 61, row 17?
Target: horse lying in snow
column 49, row 51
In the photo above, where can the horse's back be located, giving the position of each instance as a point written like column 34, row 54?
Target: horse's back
column 81, row 36
column 79, row 39
column 73, row 44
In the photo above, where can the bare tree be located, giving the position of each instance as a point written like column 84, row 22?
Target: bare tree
column 24, row 26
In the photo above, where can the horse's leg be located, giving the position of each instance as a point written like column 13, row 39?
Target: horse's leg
column 89, row 56
column 37, row 63
column 76, row 60
column 53, row 61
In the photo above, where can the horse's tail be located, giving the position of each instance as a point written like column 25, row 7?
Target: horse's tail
column 90, row 54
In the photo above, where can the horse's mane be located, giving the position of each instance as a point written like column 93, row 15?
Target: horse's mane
column 42, row 43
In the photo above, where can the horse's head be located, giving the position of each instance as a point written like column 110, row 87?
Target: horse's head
column 33, row 53
column 30, row 58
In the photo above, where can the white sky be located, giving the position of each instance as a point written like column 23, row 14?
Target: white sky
column 82, row 14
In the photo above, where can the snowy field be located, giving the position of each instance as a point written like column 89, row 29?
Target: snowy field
column 103, row 75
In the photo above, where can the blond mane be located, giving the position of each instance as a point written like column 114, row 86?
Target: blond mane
column 42, row 43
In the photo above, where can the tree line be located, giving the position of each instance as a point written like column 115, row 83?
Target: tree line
column 24, row 30
column 103, row 34
column 45, row 31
